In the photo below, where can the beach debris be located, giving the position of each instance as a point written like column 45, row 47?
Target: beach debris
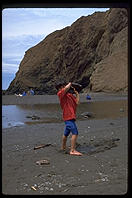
column 66, row 190
column 25, row 185
column 41, row 146
column 111, row 123
column 91, row 139
column 28, row 116
column 66, row 161
column 33, row 117
column 43, row 162
column 103, row 177
column 33, row 188
column 59, row 185
column 121, row 110
column 87, row 115
column 115, row 139
column 46, row 188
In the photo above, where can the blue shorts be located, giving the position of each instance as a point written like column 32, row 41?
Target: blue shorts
column 70, row 127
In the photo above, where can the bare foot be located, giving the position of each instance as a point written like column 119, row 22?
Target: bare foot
column 75, row 153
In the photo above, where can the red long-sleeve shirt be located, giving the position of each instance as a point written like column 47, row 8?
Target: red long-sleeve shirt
column 68, row 104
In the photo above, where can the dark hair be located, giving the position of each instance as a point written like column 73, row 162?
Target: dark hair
column 59, row 84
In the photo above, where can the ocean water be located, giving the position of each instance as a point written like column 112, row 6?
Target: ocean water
column 21, row 115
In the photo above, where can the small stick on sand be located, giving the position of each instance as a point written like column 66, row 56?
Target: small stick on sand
column 41, row 146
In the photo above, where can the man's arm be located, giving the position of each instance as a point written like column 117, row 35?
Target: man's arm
column 67, row 87
column 77, row 95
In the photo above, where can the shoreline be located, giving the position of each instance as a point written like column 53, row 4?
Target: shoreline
column 53, row 99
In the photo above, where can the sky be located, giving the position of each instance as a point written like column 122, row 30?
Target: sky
column 23, row 28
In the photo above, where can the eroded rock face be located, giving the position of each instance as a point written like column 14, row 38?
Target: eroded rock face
column 92, row 51
column 110, row 74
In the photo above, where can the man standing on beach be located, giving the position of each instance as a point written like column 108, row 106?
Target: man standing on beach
column 68, row 104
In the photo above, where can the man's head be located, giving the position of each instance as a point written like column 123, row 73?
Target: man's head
column 60, row 85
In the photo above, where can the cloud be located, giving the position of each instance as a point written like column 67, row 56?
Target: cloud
column 19, row 44
column 9, row 68
column 10, row 64
column 62, row 12
column 25, row 21
column 13, row 50
column 22, row 28
column 6, row 79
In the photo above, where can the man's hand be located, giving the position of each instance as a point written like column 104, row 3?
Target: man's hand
column 67, row 87
column 77, row 95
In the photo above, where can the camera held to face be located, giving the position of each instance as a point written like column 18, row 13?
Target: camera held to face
column 77, row 87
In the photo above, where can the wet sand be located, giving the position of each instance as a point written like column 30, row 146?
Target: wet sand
column 102, row 170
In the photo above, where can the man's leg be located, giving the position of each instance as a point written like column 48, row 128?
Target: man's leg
column 73, row 142
column 74, row 139
column 66, row 133
column 64, row 139
column 73, row 146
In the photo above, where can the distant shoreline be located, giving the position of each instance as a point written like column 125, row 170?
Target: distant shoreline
column 53, row 99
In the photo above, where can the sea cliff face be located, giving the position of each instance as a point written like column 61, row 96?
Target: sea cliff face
column 93, row 51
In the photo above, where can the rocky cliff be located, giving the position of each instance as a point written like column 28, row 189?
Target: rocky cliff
column 92, row 51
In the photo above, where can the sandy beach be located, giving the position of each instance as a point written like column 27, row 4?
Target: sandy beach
column 101, row 170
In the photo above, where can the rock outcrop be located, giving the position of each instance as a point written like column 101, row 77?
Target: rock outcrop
column 92, row 51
